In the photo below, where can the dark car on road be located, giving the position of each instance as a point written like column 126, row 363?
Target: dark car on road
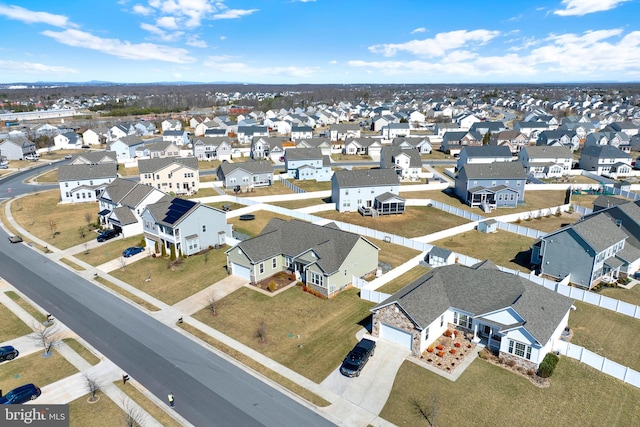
column 22, row 394
column 107, row 234
column 357, row 358
column 132, row 251
column 8, row 353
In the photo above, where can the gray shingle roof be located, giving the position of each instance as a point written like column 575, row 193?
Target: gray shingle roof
column 171, row 210
column 118, row 189
column 83, row 172
column 331, row 244
column 389, row 152
column 131, row 140
column 251, row 166
column 599, row 231
column 124, row 215
column 304, row 154
column 604, row 151
column 487, row 151
column 153, row 165
column 95, row 157
column 366, row 178
column 547, row 152
column 479, row 290
column 499, row 170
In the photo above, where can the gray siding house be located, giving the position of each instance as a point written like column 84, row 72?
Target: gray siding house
column 185, row 225
column 249, row 174
column 125, row 147
column 307, row 163
column 499, row 184
column 354, row 189
column 326, row 259
column 17, row 148
column 212, row 148
column 83, row 182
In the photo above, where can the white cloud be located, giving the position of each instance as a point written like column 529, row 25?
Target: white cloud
column 419, row 30
column 224, row 64
column 140, row 9
column 32, row 17
column 439, row 45
column 161, row 34
column 33, row 68
column 168, row 22
column 195, row 41
column 121, row 49
column 334, row 62
column 234, row 13
column 583, row 7
column 223, row 37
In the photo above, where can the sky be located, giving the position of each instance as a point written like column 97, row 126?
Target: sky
column 320, row 41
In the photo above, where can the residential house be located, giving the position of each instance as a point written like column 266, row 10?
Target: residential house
column 422, row 145
column 84, row 182
column 46, row 129
column 582, row 129
column 342, row 131
column 67, row 140
column 162, row 149
column 603, row 202
column 307, row 164
column 326, row 260
column 96, row 136
column 407, row 163
column 484, row 154
column 605, row 160
column 183, row 227
column 546, row 161
column 323, row 144
column 484, row 127
column 531, row 129
column 269, row 147
column 396, row 130
column 177, row 137
column 301, row 132
column 464, row 121
column 179, row 175
column 442, row 128
column 118, row 131
column 559, row 137
column 144, row 128
column 512, row 139
column 94, row 158
column 249, row 174
column 507, row 313
column 498, row 184
column 17, row 148
column 170, row 125
column 122, row 202
column 586, row 250
column 212, row 148
column 453, row 142
column 246, row 134
column 125, row 148
column 201, row 128
column 367, row 190
column 363, row 146
column 627, row 127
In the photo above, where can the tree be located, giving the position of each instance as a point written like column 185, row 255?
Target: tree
column 82, row 232
column 172, row 257
column 486, row 138
column 423, row 411
column 261, row 333
column 212, row 303
column 45, row 337
column 53, row 227
column 87, row 217
column 134, row 416
column 93, row 387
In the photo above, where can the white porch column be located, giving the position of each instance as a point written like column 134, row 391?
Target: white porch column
column 476, row 338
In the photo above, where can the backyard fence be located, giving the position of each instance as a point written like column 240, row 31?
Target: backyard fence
column 373, row 296
column 602, row 364
column 523, row 231
column 290, row 185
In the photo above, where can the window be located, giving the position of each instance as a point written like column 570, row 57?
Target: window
column 441, row 320
column 315, row 278
column 426, row 334
column 66, row 184
column 261, row 267
column 204, row 228
column 68, row 194
column 462, row 320
column 288, row 261
column 520, row 349
column 274, row 263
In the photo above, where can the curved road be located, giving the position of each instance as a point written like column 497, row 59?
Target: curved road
column 209, row 390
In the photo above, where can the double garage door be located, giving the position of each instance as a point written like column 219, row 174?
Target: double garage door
column 241, row 271
column 396, row 335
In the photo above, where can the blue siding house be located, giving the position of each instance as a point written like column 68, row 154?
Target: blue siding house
column 491, row 185
column 307, row 163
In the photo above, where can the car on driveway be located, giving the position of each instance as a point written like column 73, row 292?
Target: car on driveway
column 107, row 235
column 68, row 156
column 8, row 353
column 15, row 239
column 21, row 394
column 4, row 166
column 357, row 358
column 132, row 251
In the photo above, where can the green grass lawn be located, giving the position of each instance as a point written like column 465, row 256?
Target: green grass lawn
column 607, row 333
column 311, row 185
column 503, row 248
column 12, row 326
column 254, row 227
column 327, row 328
column 402, row 281
column 108, row 250
column 82, row 351
column 170, row 286
column 35, row 369
column 27, row 307
column 415, row 221
column 578, row 396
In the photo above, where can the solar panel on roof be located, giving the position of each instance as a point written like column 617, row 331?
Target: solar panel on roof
column 177, row 208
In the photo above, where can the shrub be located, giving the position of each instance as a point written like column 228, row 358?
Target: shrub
column 457, row 344
column 448, row 333
column 164, row 251
column 558, row 212
column 531, row 372
column 548, row 365
column 143, row 242
column 172, row 257
column 452, row 351
column 272, row 286
column 157, row 247
column 430, row 349
column 510, row 363
column 440, row 347
column 440, row 354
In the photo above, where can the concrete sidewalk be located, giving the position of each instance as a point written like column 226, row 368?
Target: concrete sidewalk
column 218, row 290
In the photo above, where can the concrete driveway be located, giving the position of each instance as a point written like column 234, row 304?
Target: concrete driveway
column 371, row 389
column 116, row 263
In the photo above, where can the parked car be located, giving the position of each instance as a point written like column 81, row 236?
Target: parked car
column 357, row 358
column 15, row 239
column 8, row 353
column 31, row 157
column 132, row 251
column 21, row 394
column 107, row 235
column 4, row 166
column 68, row 156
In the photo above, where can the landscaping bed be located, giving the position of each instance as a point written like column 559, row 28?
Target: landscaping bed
column 280, row 280
column 448, row 351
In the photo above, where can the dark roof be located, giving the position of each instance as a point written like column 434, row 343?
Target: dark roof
column 366, row 177
column 303, row 154
column 387, row 196
column 440, row 252
column 82, row 172
column 604, row 202
column 130, row 140
column 251, row 166
column 152, row 165
column 604, row 151
column 478, row 290
column 548, row 152
column 390, row 152
column 494, row 170
column 487, row 151
column 330, row 244
column 171, row 210
column 124, row 215
column 599, row 231
column 118, row 189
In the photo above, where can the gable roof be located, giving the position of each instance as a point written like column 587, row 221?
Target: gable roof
column 304, row 154
column 366, row 178
column 493, row 170
column 170, row 211
column 95, row 157
column 481, row 289
column 84, row 171
column 604, row 151
column 548, row 152
column 331, row 245
column 487, row 151
column 251, row 166
column 152, row 165
column 391, row 152
column 598, row 231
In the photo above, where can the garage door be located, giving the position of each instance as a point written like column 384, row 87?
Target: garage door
column 241, row 271
column 396, row 335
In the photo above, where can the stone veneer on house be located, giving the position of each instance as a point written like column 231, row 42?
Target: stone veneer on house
column 394, row 316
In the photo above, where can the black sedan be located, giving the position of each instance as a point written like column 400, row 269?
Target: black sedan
column 8, row 353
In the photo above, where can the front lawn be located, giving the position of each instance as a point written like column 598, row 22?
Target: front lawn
column 57, row 224
column 108, row 250
column 611, row 335
column 254, row 227
column 169, row 285
column 327, row 328
column 414, row 222
column 503, row 248
column 487, row 395
column 12, row 326
column 35, row 369
column 402, row 281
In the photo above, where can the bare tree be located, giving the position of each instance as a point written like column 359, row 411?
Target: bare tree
column 212, row 303
column 133, row 415
column 261, row 333
column 148, row 279
column 53, row 227
column 83, row 232
column 45, row 337
column 423, row 411
column 86, row 248
column 93, row 387
column 123, row 263
column 87, row 217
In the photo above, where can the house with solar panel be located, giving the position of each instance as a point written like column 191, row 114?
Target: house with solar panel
column 122, row 202
column 183, row 226
column 325, row 260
